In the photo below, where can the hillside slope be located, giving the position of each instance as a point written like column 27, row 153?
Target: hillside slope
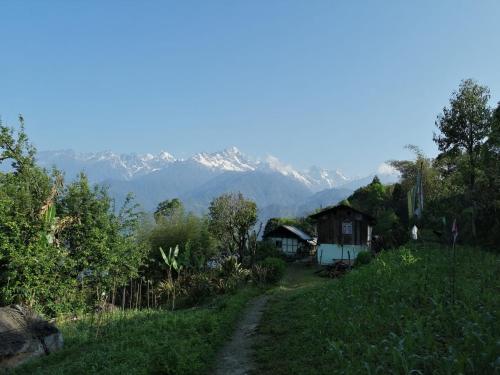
column 394, row 316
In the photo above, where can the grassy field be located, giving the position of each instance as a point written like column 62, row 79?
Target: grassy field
column 393, row 316
column 145, row 342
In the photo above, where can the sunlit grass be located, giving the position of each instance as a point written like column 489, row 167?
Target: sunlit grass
column 393, row 316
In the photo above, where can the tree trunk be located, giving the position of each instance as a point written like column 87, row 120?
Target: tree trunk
column 123, row 298
column 472, row 192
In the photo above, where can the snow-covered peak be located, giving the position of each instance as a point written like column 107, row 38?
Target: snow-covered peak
column 147, row 157
column 274, row 164
column 233, row 151
column 164, row 155
column 326, row 179
column 125, row 166
column 230, row 159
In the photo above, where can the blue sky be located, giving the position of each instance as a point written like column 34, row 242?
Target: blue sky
column 336, row 84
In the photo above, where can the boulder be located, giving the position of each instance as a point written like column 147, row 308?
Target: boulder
column 24, row 334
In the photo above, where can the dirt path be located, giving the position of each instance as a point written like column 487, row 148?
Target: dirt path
column 236, row 357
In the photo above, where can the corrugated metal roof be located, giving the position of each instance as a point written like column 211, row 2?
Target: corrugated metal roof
column 298, row 232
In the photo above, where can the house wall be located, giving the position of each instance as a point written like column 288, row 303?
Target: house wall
column 329, row 253
column 288, row 245
column 330, row 228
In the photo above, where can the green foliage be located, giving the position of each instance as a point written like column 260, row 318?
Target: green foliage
column 199, row 287
column 169, row 209
column 304, row 223
column 382, row 202
column 267, row 249
column 274, row 268
column 171, row 259
column 461, row 183
column 170, row 286
column 189, row 234
column 363, row 257
column 371, row 198
column 145, row 342
column 466, row 123
column 393, row 316
column 464, row 128
column 345, row 202
column 60, row 246
column 32, row 269
column 231, row 217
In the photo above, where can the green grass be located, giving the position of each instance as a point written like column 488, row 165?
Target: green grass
column 145, row 342
column 393, row 316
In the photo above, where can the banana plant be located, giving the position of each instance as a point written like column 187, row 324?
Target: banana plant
column 173, row 264
column 171, row 259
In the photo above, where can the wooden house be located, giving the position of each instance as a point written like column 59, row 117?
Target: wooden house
column 342, row 233
column 291, row 240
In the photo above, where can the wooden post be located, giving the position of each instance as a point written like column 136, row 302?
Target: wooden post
column 131, row 294
column 140, row 294
column 137, row 295
column 453, row 278
column 123, row 298
column 114, row 293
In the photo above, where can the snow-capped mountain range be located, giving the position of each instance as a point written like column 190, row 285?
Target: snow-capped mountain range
column 278, row 188
column 108, row 165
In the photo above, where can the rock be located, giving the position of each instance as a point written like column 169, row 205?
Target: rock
column 24, row 334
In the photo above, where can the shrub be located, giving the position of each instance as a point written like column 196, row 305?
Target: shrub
column 364, row 257
column 199, row 287
column 259, row 274
column 275, row 268
column 267, row 249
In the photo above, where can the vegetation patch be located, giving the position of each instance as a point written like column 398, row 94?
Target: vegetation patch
column 364, row 257
column 400, row 314
column 274, row 268
column 145, row 342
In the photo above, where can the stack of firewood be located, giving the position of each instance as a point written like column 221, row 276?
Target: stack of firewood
column 336, row 269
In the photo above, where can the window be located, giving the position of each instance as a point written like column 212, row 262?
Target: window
column 279, row 244
column 347, row 227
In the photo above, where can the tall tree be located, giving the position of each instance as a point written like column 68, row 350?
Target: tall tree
column 231, row 219
column 32, row 267
column 464, row 127
column 168, row 209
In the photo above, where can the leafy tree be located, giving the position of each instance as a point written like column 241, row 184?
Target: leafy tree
column 464, row 127
column 488, row 216
column 16, row 147
column 168, row 209
column 187, row 231
column 231, row 218
column 32, row 267
column 370, row 199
